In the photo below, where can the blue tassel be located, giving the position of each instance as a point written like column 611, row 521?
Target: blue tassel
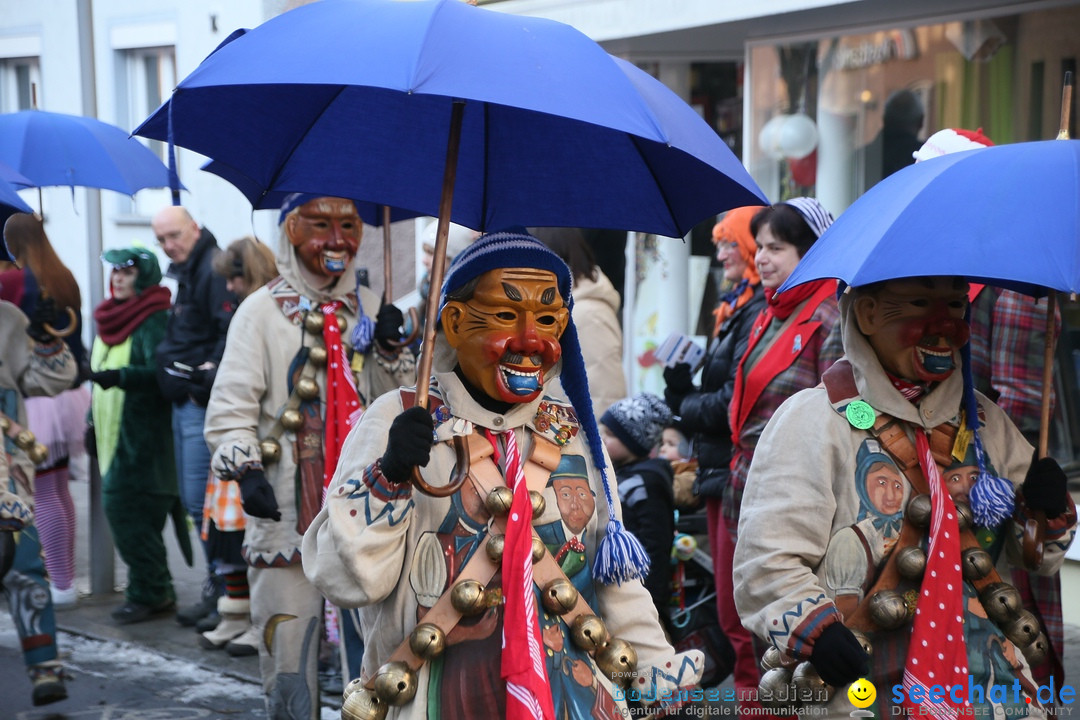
column 992, row 500
column 363, row 331
column 620, row 556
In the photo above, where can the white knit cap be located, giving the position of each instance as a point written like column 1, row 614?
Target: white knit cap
column 951, row 140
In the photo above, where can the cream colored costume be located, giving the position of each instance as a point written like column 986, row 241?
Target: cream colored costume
column 596, row 315
column 392, row 551
column 250, row 392
column 801, row 506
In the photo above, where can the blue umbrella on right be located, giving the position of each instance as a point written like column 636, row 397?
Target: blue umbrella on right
column 1007, row 215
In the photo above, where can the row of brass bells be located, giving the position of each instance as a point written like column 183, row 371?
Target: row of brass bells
column 395, row 683
column 918, row 511
column 292, row 419
column 1001, row 601
column 776, row 691
column 1023, row 629
column 359, row 703
column 888, row 609
column 38, row 453
column 589, row 633
column 499, row 500
column 618, row 660
column 307, row 389
column 559, row 596
column 496, row 544
column 314, row 320
column 270, row 450
column 964, row 517
column 975, row 563
column 773, row 658
column 5, row 424
column 317, row 355
column 911, row 562
column 809, row 687
column 427, row 641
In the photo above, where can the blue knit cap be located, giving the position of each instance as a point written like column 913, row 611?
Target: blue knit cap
column 620, row 555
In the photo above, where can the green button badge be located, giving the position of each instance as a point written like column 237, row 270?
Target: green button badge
column 861, row 415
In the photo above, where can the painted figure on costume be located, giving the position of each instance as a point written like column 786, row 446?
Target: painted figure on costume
column 505, row 354
column 930, row 614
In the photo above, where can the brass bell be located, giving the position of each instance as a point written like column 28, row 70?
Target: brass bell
column 1023, row 630
column 313, row 322
column 559, row 596
column 538, row 549
column 307, row 389
column 539, row 504
column 770, row 658
column 25, row 440
column 776, row 690
column 964, row 517
column 362, row 704
column 494, row 548
column 342, row 323
column 427, row 641
column 5, row 424
column 354, row 685
column 270, row 449
column 292, row 420
column 888, row 609
column 911, row 562
column 617, row 659
column 864, row 641
column 589, row 633
column 975, row 563
column 1036, row 651
column 317, row 355
column 38, row 453
column 467, row 597
column 395, row 683
column 499, row 500
column 809, row 687
column 1001, row 601
column 918, row 511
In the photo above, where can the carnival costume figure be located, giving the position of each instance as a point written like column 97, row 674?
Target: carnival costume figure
column 515, row 590
column 304, row 354
column 857, row 551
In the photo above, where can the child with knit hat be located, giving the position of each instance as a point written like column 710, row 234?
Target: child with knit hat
column 631, row 430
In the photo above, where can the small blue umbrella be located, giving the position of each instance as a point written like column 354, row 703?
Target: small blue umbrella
column 553, row 130
column 10, row 202
column 59, row 149
column 1007, row 215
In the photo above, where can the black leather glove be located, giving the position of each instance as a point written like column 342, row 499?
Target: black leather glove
column 838, row 657
column 1045, row 487
column 257, row 496
column 409, row 444
column 90, row 441
column 106, row 378
column 7, row 553
column 388, row 326
column 44, row 312
column 678, row 384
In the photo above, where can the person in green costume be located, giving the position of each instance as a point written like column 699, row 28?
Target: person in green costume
column 133, row 432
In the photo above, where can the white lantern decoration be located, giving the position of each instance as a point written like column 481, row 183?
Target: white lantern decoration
column 798, row 136
column 769, row 137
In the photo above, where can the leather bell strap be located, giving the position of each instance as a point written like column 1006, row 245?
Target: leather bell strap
column 485, row 476
column 292, row 403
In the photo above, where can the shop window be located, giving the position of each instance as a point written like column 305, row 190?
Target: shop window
column 20, row 81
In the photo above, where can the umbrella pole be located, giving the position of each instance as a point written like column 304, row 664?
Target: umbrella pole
column 1048, row 374
column 388, row 275
column 423, row 367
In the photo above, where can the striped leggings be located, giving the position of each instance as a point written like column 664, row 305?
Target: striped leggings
column 54, row 516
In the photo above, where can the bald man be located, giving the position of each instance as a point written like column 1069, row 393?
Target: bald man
column 187, row 363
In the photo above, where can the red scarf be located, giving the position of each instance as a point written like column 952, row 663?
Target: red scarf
column 116, row 320
column 937, row 652
column 751, row 382
column 528, row 692
column 342, row 399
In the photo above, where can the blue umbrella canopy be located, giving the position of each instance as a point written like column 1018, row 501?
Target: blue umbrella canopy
column 59, row 149
column 554, row 131
column 1007, row 215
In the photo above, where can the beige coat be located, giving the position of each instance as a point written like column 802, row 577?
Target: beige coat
column 251, row 390
column 793, row 555
column 596, row 316
column 384, row 549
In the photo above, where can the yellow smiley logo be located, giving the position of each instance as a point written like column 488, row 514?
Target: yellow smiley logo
column 862, row 693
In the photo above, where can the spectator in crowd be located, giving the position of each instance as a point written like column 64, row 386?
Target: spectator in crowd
column 131, row 432
column 187, row 360
column 893, row 147
column 59, row 421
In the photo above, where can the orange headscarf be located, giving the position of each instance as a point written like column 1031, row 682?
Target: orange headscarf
column 735, row 227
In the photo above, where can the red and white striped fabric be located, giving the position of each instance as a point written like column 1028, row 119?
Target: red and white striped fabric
column 937, row 652
column 528, row 692
column 342, row 399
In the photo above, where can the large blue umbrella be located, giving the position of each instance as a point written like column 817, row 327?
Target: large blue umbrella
column 1007, row 215
column 446, row 109
column 554, row 131
column 59, row 149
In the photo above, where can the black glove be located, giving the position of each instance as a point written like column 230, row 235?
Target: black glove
column 838, row 657
column 90, row 441
column 1045, row 487
column 257, row 496
column 106, row 378
column 678, row 385
column 409, row 444
column 388, row 326
column 7, row 553
column 44, row 312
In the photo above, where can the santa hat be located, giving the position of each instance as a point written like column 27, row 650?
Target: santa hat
column 951, row 140
column 620, row 555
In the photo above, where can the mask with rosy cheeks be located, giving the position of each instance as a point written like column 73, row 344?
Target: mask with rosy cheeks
column 326, row 233
column 916, row 326
column 507, row 335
